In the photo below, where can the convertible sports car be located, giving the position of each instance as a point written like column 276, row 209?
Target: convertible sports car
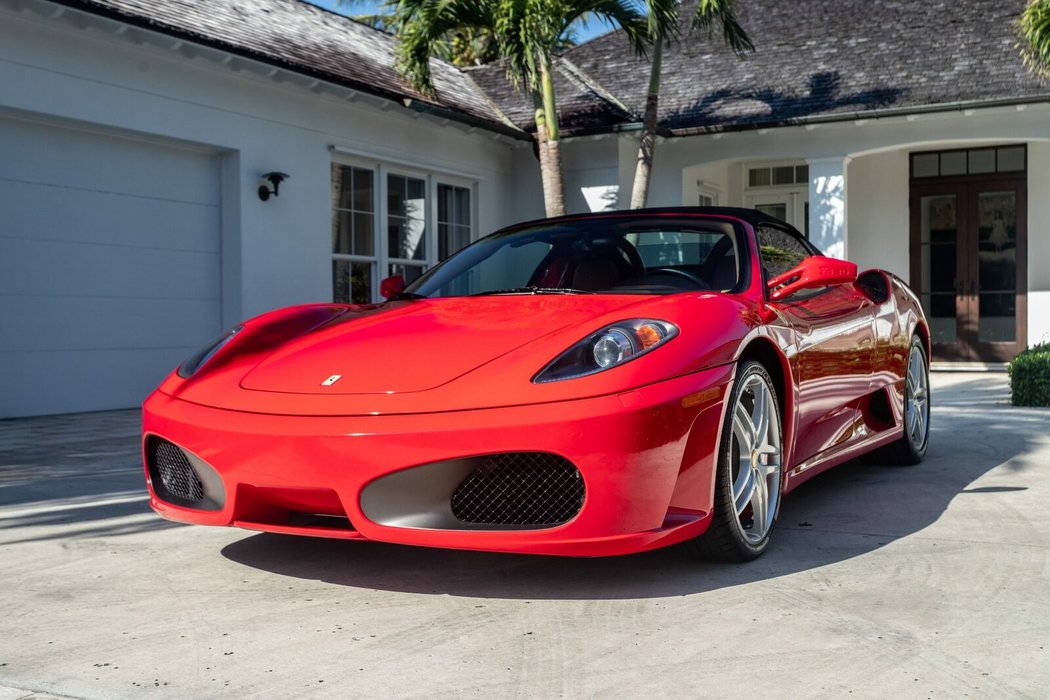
column 587, row 385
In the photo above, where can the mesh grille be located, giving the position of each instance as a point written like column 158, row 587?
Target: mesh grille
column 520, row 488
column 178, row 481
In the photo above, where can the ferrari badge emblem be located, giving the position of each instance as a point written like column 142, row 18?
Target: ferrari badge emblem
column 332, row 380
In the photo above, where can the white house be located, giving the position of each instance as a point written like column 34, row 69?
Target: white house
column 131, row 154
column 135, row 136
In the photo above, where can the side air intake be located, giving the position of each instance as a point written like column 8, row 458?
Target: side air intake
column 180, row 478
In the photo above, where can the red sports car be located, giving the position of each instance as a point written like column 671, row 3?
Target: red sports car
column 586, row 385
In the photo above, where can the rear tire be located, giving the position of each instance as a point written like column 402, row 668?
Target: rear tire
column 911, row 447
column 749, row 479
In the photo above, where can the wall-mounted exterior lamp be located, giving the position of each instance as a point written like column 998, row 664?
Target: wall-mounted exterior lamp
column 275, row 179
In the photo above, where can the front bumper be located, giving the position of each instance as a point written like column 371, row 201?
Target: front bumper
column 647, row 459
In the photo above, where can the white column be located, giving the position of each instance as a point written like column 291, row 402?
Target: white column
column 1038, row 243
column 827, row 205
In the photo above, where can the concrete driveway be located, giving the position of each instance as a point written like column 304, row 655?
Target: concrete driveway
column 931, row 581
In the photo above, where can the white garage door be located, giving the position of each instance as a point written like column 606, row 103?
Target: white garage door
column 109, row 266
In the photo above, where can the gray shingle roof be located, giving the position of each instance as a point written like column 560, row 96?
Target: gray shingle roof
column 820, row 59
column 581, row 104
column 816, row 60
column 307, row 39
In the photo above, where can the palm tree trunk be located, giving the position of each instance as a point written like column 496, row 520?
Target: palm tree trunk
column 550, row 148
column 556, row 204
column 644, row 167
column 541, row 151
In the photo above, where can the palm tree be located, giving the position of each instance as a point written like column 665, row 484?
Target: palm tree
column 1035, row 31
column 527, row 34
column 708, row 12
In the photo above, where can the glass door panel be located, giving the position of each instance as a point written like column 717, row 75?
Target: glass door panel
column 790, row 205
column 453, row 218
column 406, row 217
column 351, row 282
column 939, row 251
column 353, row 240
column 778, row 210
column 406, row 223
column 997, row 266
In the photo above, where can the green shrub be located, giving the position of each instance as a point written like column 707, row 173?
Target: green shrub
column 1030, row 377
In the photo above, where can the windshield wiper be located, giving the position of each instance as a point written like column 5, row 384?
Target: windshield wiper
column 407, row 296
column 533, row 290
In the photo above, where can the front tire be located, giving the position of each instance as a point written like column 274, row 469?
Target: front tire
column 750, row 471
column 911, row 447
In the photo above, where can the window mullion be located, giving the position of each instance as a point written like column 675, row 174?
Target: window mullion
column 382, row 254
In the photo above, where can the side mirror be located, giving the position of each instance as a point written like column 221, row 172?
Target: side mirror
column 392, row 286
column 812, row 273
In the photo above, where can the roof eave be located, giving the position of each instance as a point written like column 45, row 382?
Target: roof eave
column 861, row 115
column 410, row 101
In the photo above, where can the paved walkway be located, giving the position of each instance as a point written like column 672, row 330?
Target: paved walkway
column 882, row 582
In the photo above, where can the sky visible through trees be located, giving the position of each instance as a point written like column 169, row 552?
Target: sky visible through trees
column 370, row 7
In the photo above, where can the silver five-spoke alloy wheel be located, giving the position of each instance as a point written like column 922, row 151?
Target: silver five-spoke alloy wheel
column 755, row 458
column 750, row 464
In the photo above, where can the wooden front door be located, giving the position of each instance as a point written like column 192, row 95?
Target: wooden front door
column 969, row 264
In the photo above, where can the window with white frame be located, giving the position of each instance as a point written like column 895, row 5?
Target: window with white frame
column 453, row 218
column 780, row 190
column 406, row 225
column 707, row 194
column 353, row 234
column 388, row 220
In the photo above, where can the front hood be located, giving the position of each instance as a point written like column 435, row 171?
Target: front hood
column 414, row 346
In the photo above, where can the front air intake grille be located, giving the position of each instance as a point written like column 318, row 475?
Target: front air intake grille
column 172, row 475
column 520, row 488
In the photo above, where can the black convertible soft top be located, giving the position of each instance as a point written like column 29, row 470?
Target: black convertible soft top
column 751, row 216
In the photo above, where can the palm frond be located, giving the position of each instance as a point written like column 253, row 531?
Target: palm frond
column 423, row 25
column 382, row 22
column 622, row 14
column 662, row 17
column 721, row 11
column 1035, row 34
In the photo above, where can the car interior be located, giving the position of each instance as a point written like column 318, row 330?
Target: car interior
column 642, row 262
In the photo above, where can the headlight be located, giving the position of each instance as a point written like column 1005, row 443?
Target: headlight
column 188, row 368
column 611, row 346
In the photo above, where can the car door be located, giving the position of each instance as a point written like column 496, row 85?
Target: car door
column 834, row 341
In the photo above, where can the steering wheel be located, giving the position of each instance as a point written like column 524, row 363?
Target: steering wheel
column 675, row 272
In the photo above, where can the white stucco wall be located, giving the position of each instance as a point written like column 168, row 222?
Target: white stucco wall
column 591, row 175
column 877, row 214
column 277, row 252
column 525, row 200
column 1038, row 242
column 715, row 178
column 665, row 183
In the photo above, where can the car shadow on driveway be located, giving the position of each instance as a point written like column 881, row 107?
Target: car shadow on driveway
column 845, row 513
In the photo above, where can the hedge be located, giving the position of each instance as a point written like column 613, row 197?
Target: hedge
column 1030, row 376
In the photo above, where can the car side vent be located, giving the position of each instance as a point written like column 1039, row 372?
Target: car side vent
column 520, row 488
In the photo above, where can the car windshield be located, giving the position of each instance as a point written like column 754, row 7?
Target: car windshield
column 593, row 256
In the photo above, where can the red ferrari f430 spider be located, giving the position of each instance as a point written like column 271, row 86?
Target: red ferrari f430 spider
column 586, row 385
